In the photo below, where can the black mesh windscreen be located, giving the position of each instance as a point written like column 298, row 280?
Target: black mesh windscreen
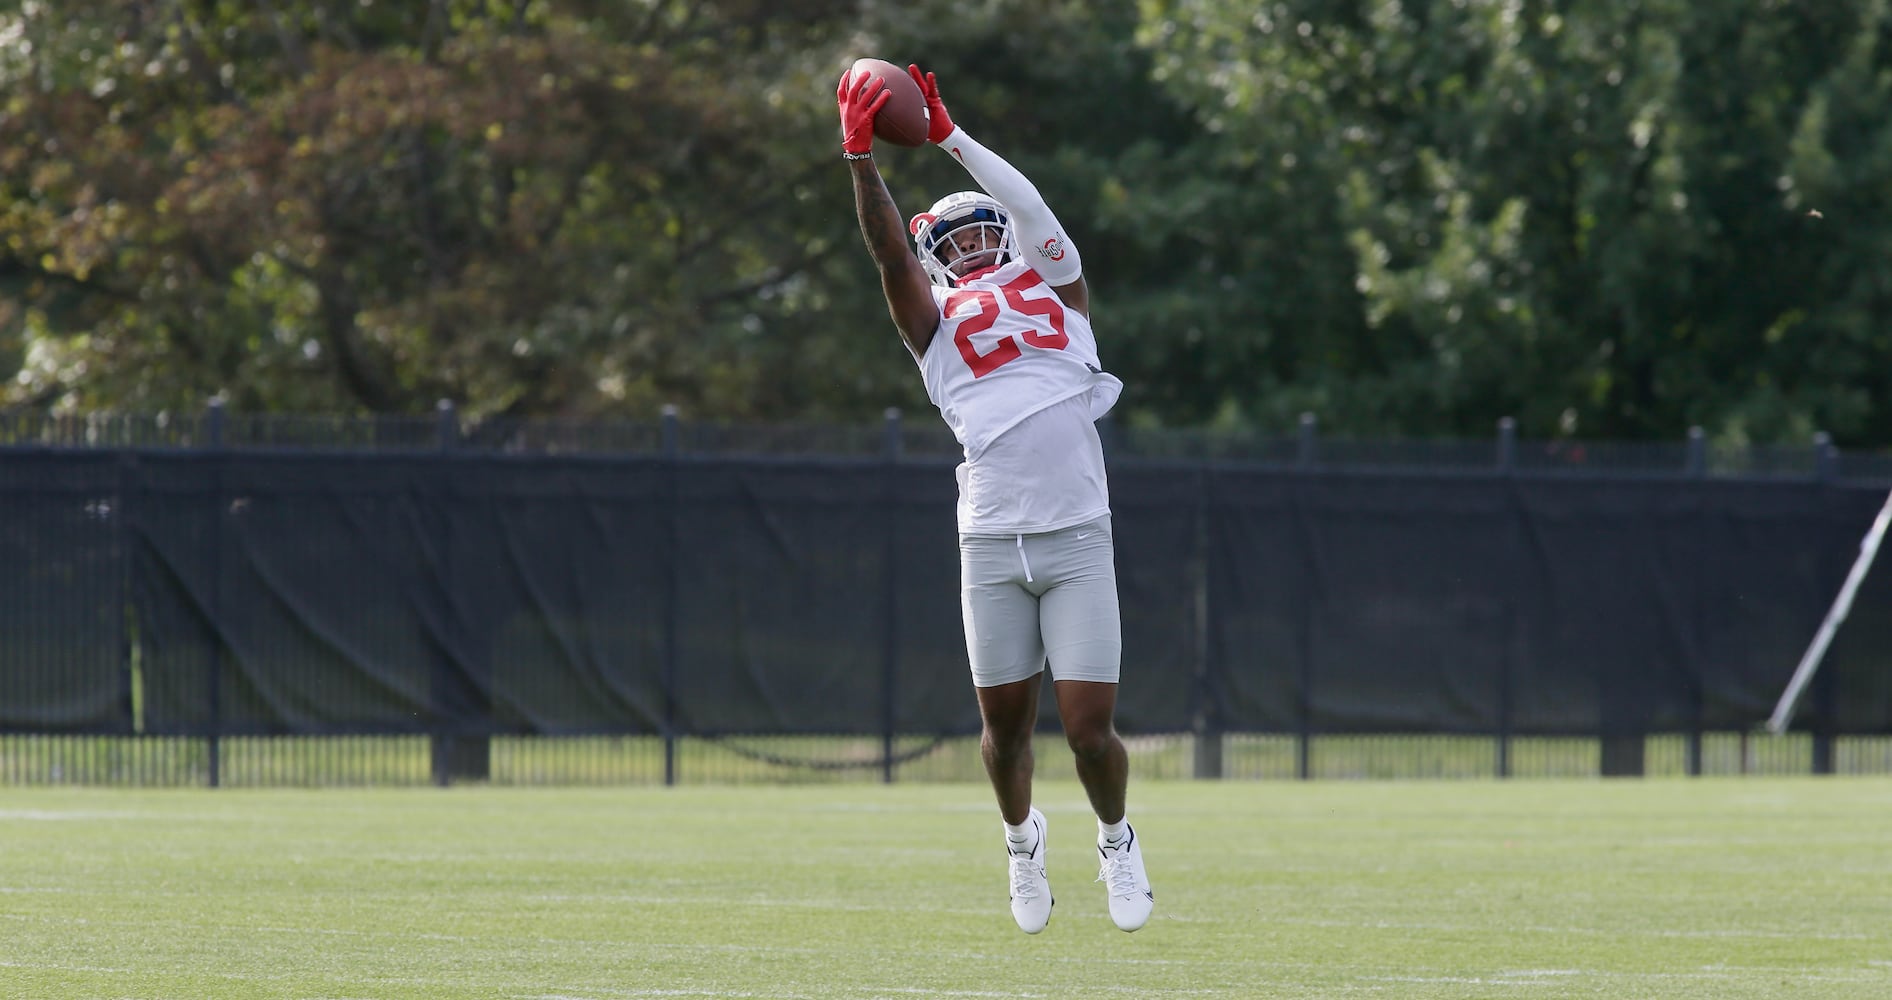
column 63, row 632
column 1375, row 603
column 474, row 594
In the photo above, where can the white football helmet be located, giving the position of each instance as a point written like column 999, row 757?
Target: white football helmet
column 942, row 257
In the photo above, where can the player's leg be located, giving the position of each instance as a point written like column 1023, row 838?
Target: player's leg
column 1007, row 715
column 1008, row 712
column 1083, row 636
column 1088, row 710
column 1007, row 657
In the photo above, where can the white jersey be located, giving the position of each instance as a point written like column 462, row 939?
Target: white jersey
column 1007, row 350
column 1045, row 474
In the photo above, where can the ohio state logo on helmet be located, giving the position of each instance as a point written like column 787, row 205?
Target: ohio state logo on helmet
column 1053, row 249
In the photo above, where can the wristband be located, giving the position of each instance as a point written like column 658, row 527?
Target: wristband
column 845, row 155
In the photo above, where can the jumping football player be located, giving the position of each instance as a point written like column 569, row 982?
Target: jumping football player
column 995, row 310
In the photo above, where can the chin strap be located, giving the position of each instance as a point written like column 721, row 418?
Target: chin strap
column 1041, row 241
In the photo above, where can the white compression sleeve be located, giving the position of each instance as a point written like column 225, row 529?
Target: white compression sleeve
column 1040, row 239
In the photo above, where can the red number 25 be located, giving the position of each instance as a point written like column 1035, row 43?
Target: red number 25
column 987, row 305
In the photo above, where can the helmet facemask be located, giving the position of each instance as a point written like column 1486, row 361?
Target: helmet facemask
column 963, row 234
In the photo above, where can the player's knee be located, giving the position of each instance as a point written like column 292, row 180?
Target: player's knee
column 1005, row 745
column 1091, row 742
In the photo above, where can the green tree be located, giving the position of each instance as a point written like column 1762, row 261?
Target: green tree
column 524, row 206
column 1569, row 211
column 1608, row 218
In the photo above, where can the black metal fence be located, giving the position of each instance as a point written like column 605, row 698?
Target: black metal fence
column 226, row 599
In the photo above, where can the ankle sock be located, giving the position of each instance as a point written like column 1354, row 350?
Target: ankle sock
column 1020, row 837
column 1110, row 833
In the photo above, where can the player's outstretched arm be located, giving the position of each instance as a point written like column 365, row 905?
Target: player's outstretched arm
column 909, row 294
column 1041, row 239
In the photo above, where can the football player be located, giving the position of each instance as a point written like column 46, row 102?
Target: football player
column 992, row 303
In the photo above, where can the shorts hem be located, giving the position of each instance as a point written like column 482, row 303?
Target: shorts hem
column 1093, row 676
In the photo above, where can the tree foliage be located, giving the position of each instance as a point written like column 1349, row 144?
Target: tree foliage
column 372, row 206
column 1608, row 218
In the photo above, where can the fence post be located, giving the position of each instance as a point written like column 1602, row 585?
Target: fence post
column 1306, row 455
column 446, row 425
column 1506, row 461
column 1826, row 469
column 1508, row 631
column 890, row 624
column 1622, row 743
column 441, row 741
column 213, row 742
column 1826, row 694
column 1206, row 719
column 454, row 755
column 129, row 660
column 1696, row 465
column 672, row 448
column 1623, row 753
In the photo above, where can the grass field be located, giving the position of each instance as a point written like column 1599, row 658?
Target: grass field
column 1707, row 888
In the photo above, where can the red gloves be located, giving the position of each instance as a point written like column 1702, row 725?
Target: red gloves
column 860, row 99
column 939, row 124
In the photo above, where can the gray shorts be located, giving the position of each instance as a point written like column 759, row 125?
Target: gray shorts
column 1027, row 598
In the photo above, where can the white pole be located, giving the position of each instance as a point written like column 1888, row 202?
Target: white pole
column 1810, row 662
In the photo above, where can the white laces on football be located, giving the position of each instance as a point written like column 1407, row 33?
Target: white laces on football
column 1118, row 875
column 1027, row 876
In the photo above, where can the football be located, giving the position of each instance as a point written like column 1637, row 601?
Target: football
column 902, row 121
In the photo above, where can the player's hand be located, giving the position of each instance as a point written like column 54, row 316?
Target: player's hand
column 939, row 124
column 860, row 97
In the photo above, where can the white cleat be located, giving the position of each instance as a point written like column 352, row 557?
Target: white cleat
column 1031, row 892
column 1130, row 897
